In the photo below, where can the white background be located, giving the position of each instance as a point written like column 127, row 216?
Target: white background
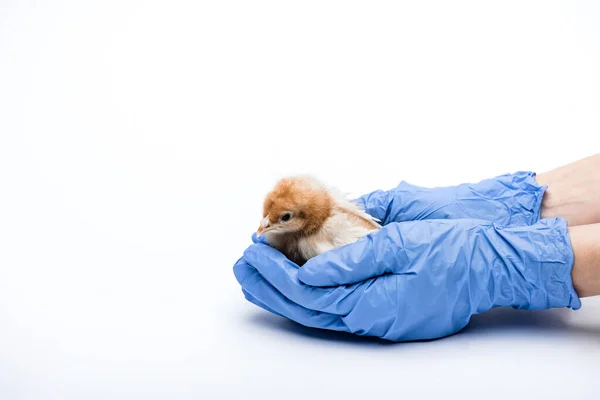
column 137, row 140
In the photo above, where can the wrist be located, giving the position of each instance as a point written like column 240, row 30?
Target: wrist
column 585, row 241
column 573, row 192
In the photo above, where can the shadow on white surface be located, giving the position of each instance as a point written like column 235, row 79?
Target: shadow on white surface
column 557, row 321
column 499, row 321
column 288, row 327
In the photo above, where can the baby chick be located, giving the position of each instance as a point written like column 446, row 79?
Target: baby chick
column 302, row 218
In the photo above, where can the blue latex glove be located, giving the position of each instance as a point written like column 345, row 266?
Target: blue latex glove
column 510, row 199
column 429, row 277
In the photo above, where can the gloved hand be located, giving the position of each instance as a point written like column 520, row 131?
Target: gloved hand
column 427, row 277
column 510, row 199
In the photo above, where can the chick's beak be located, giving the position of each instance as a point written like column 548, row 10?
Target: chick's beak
column 264, row 224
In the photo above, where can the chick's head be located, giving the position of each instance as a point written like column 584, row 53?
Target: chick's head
column 297, row 205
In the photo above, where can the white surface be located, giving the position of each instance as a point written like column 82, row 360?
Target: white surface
column 138, row 138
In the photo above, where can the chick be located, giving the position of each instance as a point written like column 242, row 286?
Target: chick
column 303, row 218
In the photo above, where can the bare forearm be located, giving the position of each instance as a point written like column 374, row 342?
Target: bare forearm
column 573, row 192
column 585, row 241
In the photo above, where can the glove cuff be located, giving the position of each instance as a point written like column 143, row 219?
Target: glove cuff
column 559, row 284
column 509, row 199
column 527, row 203
column 544, row 259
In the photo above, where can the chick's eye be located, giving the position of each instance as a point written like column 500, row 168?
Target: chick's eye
column 286, row 217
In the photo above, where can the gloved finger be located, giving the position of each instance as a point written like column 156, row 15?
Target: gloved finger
column 254, row 301
column 267, row 297
column 377, row 204
column 408, row 202
column 282, row 274
column 258, row 239
column 376, row 254
column 402, row 248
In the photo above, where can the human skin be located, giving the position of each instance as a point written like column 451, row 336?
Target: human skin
column 585, row 240
column 574, row 194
